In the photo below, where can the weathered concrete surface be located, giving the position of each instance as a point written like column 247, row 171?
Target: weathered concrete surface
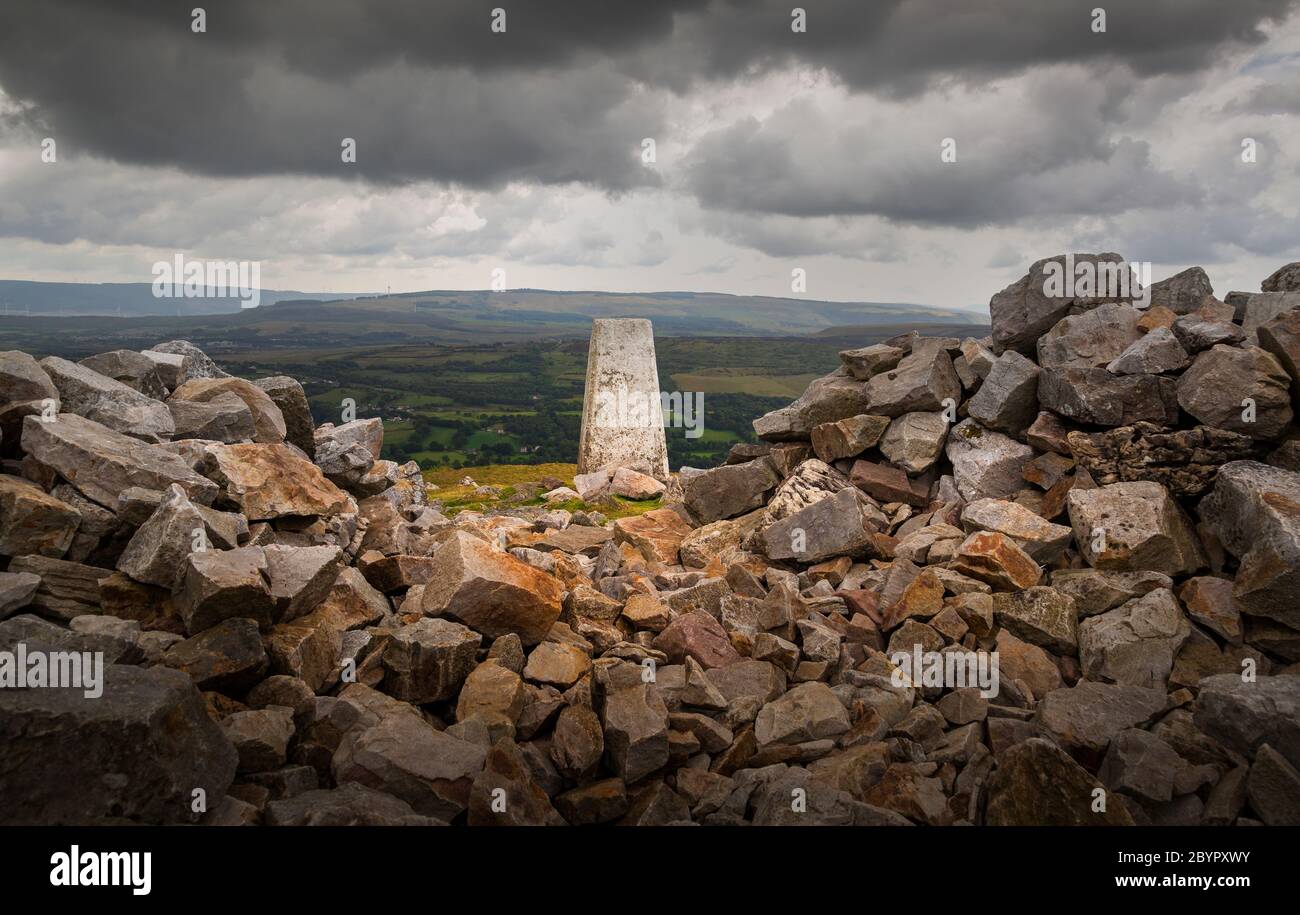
column 622, row 418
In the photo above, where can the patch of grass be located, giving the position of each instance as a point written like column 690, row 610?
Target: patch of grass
column 456, row 498
column 627, row 507
column 759, row 385
column 421, row 457
column 500, row 474
column 622, row 508
column 714, row 435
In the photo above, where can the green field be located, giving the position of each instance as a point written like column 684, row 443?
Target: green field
column 516, row 485
column 521, row 403
column 728, row 382
column 451, row 405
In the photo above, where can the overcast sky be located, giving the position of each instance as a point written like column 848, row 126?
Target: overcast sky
column 775, row 149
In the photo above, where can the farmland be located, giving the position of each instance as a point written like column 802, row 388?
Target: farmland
column 452, row 402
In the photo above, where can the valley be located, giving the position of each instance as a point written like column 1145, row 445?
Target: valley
column 464, row 399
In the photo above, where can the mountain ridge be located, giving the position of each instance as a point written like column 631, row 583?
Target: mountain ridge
column 38, row 297
column 726, row 311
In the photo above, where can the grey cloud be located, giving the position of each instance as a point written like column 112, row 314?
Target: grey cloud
column 564, row 95
column 1060, row 132
column 1205, row 235
column 902, row 47
column 107, row 204
column 778, row 235
column 1270, row 98
column 1055, row 156
column 1006, row 256
column 129, row 85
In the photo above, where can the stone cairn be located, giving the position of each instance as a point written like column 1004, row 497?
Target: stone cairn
column 1099, row 503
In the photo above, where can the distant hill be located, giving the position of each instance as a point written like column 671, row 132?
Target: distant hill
column 688, row 313
column 472, row 317
column 541, row 310
column 127, row 300
column 852, row 333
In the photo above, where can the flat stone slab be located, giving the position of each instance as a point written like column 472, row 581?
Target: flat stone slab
column 576, row 538
column 102, row 463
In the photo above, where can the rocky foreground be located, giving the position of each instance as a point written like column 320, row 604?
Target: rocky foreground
column 1100, row 503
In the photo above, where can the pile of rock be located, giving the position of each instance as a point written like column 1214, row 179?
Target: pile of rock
column 1042, row 578
column 1105, row 493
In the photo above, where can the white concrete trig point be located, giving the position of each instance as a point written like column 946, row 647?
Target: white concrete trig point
column 622, row 413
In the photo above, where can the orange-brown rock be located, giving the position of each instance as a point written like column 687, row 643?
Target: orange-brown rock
column 995, row 559
column 658, row 534
column 557, row 664
column 1156, row 316
column 863, row 601
column 718, row 540
column 922, row 598
column 1209, row 601
column 352, row 603
column 491, row 591
column 33, row 521
column 126, row 599
column 310, row 653
column 1028, row 663
column 646, row 611
column 832, row 570
column 272, row 481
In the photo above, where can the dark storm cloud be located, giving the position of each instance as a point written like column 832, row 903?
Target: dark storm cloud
column 901, row 47
column 333, row 38
column 566, row 94
column 126, row 82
